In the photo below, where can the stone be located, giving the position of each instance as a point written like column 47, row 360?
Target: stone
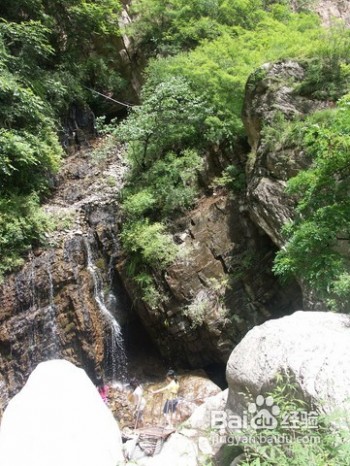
column 330, row 10
column 270, row 91
column 178, row 450
column 313, row 347
column 201, row 417
column 59, row 418
column 199, row 429
column 220, row 286
column 195, row 388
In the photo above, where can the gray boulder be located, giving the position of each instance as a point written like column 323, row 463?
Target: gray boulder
column 313, row 347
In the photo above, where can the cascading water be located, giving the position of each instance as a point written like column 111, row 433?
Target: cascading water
column 32, row 328
column 115, row 351
column 52, row 318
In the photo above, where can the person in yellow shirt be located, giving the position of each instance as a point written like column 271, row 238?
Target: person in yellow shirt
column 171, row 390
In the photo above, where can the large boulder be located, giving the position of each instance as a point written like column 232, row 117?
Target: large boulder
column 313, row 347
column 273, row 91
column 57, row 419
column 220, row 286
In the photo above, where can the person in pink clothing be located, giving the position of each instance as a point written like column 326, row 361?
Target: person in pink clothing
column 103, row 390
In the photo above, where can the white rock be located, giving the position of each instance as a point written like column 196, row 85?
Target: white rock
column 201, row 417
column 177, row 451
column 59, row 419
column 314, row 347
column 198, row 427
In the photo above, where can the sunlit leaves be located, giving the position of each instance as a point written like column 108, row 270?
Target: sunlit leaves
column 317, row 247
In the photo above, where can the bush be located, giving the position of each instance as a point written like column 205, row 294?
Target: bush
column 218, row 70
column 49, row 53
column 325, row 444
column 150, row 241
column 22, row 224
column 316, row 242
column 171, row 118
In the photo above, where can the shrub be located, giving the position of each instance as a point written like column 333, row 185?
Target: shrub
column 327, row 443
column 150, row 241
column 316, row 241
column 22, row 224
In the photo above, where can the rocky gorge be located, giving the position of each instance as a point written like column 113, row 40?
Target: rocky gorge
column 79, row 283
column 223, row 307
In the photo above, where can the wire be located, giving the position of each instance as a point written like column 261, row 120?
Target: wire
column 110, row 98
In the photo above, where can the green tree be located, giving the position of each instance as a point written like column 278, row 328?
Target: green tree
column 317, row 246
column 49, row 53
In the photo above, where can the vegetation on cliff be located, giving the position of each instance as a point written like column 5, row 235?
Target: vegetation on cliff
column 317, row 240
column 211, row 48
column 49, row 52
column 199, row 56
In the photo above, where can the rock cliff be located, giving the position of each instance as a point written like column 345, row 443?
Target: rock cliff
column 69, row 301
column 220, row 287
column 65, row 301
column 272, row 92
column 69, row 298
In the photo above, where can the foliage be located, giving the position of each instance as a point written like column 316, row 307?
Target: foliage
column 207, row 302
column 49, row 52
column 22, row 224
column 171, row 117
column 168, row 27
column 232, row 178
column 317, row 241
column 150, row 241
column 150, row 294
column 171, row 26
column 324, row 445
column 192, row 100
column 148, row 245
column 328, row 71
column 164, row 167
column 218, row 70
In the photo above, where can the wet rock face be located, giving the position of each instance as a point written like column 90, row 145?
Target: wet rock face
column 58, row 304
column 219, row 288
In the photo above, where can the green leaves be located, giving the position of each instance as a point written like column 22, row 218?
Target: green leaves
column 22, row 224
column 295, row 441
column 317, row 247
column 163, row 181
column 151, row 241
column 218, row 69
column 168, row 27
column 171, row 117
column 48, row 52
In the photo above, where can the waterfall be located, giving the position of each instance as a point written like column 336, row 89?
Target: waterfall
column 52, row 317
column 115, row 351
column 32, row 328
